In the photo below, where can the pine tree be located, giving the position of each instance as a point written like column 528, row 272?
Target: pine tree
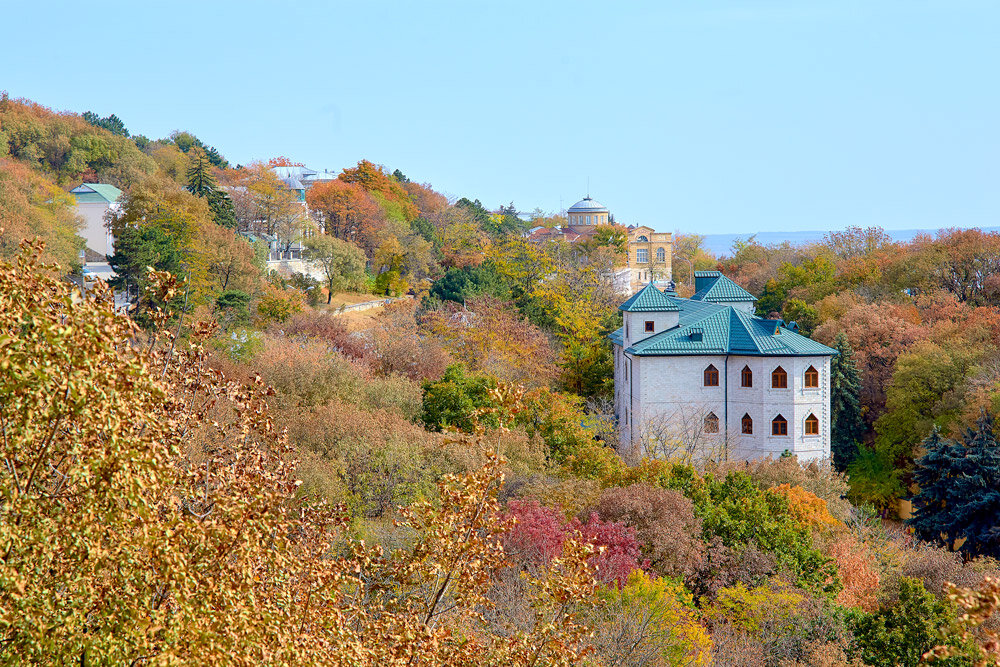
column 202, row 183
column 976, row 491
column 934, row 473
column 846, row 425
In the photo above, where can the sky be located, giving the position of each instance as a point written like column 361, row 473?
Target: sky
column 699, row 115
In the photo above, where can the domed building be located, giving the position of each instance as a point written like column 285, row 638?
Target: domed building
column 587, row 212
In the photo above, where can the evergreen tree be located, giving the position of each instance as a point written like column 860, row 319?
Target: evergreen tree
column 976, row 491
column 202, row 183
column 934, row 473
column 960, row 490
column 846, row 425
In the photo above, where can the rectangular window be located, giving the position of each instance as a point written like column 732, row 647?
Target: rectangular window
column 642, row 255
column 649, row 327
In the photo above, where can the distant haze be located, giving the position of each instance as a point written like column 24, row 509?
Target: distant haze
column 722, row 244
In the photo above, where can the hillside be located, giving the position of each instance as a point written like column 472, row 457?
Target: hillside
column 233, row 473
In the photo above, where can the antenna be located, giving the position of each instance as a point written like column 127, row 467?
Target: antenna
column 588, row 187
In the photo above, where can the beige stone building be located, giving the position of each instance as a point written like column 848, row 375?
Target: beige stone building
column 649, row 257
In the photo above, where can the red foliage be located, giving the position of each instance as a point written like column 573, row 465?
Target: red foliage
column 539, row 533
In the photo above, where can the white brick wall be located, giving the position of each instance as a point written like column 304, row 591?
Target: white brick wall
column 671, row 388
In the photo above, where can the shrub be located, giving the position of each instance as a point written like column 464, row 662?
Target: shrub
column 739, row 512
column 808, row 509
column 328, row 328
column 277, row 306
column 664, row 523
column 905, row 628
column 454, row 399
column 817, row 477
column 233, row 308
column 649, row 621
column 539, row 533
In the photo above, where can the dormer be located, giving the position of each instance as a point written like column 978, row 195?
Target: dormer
column 647, row 313
column 713, row 287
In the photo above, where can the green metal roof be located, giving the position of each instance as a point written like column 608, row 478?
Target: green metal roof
column 709, row 328
column 713, row 286
column 648, row 300
column 86, row 193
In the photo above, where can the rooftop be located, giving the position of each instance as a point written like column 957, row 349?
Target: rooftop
column 709, row 328
column 714, row 287
column 96, row 192
column 587, row 205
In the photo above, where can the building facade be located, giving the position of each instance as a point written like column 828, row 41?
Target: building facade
column 704, row 378
column 93, row 201
column 649, row 257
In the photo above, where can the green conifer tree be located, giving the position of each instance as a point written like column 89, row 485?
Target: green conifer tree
column 846, row 424
column 202, row 183
column 934, row 473
column 976, row 491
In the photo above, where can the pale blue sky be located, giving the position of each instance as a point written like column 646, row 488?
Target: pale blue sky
column 704, row 116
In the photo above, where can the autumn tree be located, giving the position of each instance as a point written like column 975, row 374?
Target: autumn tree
column 346, row 211
column 30, row 207
column 262, row 203
column 145, row 493
column 343, row 263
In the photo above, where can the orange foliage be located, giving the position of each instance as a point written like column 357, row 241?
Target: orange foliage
column 857, row 574
column 347, row 212
column 372, row 178
column 808, row 509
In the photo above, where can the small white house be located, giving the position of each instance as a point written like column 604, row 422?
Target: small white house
column 93, row 201
column 706, row 378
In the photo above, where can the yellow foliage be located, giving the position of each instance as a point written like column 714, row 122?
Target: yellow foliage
column 754, row 609
column 653, row 616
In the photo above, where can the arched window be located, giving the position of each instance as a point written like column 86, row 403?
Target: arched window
column 747, row 424
column 779, row 378
column 779, row 426
column 711, row 376
column 661, row 255
column 812, row 378
column 812, row 425
column 711, row 423
column 746, row 377
column 642, row 239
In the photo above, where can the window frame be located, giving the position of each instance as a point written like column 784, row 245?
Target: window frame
column 649, row 326
column 746, row 424
column 811, row 372
column 813, row 420
column 711, row 423
column 746, row 377
column 710, row 376
column 779, row 429
column 640, row 253
column 783, row 378
column 661, row 254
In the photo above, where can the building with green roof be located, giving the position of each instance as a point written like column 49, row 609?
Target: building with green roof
column 93, row 202
column 705, row 378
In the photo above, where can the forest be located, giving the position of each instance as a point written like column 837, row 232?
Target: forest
column 237, row 471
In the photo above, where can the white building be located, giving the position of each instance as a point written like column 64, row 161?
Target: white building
column 706, row 378
column 93, row 201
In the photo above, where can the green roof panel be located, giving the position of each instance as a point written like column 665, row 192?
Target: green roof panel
column 649, row 300
column 713, row 286
column 710, row 328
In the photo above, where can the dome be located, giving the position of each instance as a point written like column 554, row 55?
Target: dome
column 587, row 205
